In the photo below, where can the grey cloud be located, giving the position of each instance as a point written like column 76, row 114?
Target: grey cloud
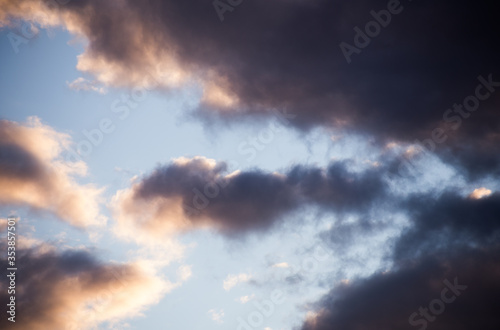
column 286, row 55
column 387, row 300
column 250, row 200
column 449, row 237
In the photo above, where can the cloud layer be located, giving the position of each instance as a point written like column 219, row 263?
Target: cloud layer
column 282, row 64
column 431, row 74
column 430, row 77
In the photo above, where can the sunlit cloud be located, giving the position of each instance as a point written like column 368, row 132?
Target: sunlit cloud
column 480, row 193
column 217, row 316
column 232, row 280
column 71, row 289
column 82, row 84
column 245, row 299
column 34, row 173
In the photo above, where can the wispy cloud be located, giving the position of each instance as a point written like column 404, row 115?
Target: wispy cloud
column 217, row 316
column 245, row 299
column 82, row 84
column 232, row 280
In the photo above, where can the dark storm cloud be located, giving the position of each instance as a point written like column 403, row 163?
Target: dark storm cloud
column 449, row 221
column 285, row 55
column 449, row 236
column 388, row 300
column 251, row 200
column 474, row 160
column 343, row 235
column 337, row 187
column 16, row 160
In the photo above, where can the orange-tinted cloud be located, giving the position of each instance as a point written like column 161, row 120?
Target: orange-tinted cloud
column 480, row 193
column 33, row 173
column 72, row 290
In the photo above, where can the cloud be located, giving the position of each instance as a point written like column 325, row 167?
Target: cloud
column 473, row 158
column 245, row 299
column 156, row 64
column 195, row 193
column 82, row 84
column 400, row 87
column 408, row 83
column 448, row 221
column 216, row 316
column 232, row 280
column 71, row 289
column 449, row 237
column 33, row 173
column 480, row 193
column 387, row 300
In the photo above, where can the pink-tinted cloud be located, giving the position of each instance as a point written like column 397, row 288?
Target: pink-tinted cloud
column 72, row 290
column 33, row 173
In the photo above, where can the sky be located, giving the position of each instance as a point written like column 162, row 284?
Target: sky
column 264, row 164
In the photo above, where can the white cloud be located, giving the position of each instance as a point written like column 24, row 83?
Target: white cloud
column 184, row 272
column 245, row 299
column 82, row 84
column 232, row 280
column 216, row 316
